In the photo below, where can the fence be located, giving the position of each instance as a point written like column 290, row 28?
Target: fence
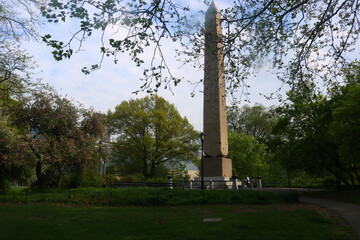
column 143, row 196
column 193, row 184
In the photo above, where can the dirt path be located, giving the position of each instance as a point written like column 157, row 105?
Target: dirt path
column 350, row 212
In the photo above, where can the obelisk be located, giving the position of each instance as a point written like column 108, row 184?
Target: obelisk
column 216, row 163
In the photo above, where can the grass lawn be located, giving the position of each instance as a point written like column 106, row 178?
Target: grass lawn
column 278, row 221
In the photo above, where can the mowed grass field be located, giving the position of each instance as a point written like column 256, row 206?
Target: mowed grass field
column 276, row 221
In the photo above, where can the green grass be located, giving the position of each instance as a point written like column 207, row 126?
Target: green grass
column 143, row 213
column 58, row 221
column 147, row 197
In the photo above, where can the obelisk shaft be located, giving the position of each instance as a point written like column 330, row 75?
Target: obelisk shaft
column 215, row 118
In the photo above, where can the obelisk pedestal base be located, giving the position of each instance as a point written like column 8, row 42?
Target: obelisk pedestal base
column 217, row 173
column 217, row 167
column 212, row 183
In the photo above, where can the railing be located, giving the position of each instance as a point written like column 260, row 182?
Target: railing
column 142, row 184
column 192, row 184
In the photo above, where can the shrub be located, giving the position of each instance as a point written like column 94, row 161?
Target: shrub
column 130, row 178
column 154, row 196
column 329, row 182
column 109, row 179
column 4, row 185
column 91, row 179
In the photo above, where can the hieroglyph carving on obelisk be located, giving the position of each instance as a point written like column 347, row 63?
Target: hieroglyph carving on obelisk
column 215, row 118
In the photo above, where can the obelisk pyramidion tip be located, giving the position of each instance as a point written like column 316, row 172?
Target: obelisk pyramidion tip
column 212, row 7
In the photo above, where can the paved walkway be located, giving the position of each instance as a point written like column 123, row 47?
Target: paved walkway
column 290, row 189
column 350, row 212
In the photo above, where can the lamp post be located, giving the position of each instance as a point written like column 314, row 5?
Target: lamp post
column 202, row 136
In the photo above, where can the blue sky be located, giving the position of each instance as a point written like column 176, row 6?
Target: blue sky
column 112, row 84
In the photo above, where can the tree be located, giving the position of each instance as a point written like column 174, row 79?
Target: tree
column 15, row 66
column 146, row 25
column 303, row 40
column 301, row 140
column 13, row 146
column 318, row 135
column 151, row 135
column 19, row 19
column 255, row 121
column 345, row 128
column 62, row 140
column 9, row 142
column 247, row 155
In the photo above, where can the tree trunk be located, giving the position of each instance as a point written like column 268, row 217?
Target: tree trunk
column 357, row 175
column 59, row 184
column 342, row 179
column 153, row 170
column 352, row 180
column 337, row 176
column 39, row 175
column 145, row 168
column 289, row 182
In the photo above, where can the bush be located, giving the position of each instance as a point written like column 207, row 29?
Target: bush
column 155, row 197
column 4, row 185
column 89, row 178
column 109, row 179
column 329, row 182
column 129, row 178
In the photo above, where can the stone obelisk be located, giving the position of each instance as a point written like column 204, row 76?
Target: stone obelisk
column 216, row 163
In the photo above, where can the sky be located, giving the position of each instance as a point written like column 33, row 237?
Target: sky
column 112, row 84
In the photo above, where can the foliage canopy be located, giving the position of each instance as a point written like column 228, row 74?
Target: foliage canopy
column 151, row 135
column 303, row 41
column 319, row 135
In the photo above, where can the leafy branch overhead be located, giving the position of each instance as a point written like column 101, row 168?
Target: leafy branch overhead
column 146, row 24
column 19, row 19
column 303, row 41
column 15, row 66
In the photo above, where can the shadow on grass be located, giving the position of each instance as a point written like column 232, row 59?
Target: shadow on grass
column 282, row 221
